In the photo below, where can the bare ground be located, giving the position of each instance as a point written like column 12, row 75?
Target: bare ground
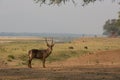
column 103, row 65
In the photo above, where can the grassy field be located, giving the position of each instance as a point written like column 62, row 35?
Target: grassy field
column 13, row 51
column 101, row 56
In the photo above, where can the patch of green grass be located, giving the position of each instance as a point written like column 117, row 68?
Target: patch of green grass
column 64, row 55
column 10, row 58
column 23, row 57
column 61, row 56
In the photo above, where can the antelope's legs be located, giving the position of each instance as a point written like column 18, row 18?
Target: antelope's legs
column 43, row 63
column 29, row 63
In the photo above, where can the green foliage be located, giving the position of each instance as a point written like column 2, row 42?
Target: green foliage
column 112, row 27
column 10, row 58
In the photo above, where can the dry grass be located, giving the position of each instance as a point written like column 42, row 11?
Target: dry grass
column 18, row 48
column 63, row 63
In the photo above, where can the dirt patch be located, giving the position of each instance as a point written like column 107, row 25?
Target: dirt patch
column 66, row 73
column 111, row 57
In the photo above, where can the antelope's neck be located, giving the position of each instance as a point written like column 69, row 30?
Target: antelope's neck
column 49, row 50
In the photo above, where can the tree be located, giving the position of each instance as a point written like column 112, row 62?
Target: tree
column 112, row 27
column 58, row 2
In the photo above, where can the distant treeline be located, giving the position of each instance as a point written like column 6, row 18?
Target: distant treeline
column 65, row 35
column 59, row 37
column 44, row 34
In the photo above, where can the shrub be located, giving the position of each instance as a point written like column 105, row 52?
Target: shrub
column 10, row 58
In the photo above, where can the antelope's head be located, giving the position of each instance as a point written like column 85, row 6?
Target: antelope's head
column 50, row 45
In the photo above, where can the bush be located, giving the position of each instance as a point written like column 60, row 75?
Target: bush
column 10, row 58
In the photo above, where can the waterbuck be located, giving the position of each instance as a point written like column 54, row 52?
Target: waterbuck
column 40, row 54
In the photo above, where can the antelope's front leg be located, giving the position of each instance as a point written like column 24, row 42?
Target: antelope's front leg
column 29, row 63
column 43, row 63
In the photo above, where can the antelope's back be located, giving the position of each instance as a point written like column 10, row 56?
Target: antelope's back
column 36, row 53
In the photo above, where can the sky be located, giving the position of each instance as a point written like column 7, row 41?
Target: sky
column 27, row 16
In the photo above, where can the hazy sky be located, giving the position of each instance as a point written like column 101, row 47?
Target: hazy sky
column 26, row 16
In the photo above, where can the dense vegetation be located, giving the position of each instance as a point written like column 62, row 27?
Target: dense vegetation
column 112, row 27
